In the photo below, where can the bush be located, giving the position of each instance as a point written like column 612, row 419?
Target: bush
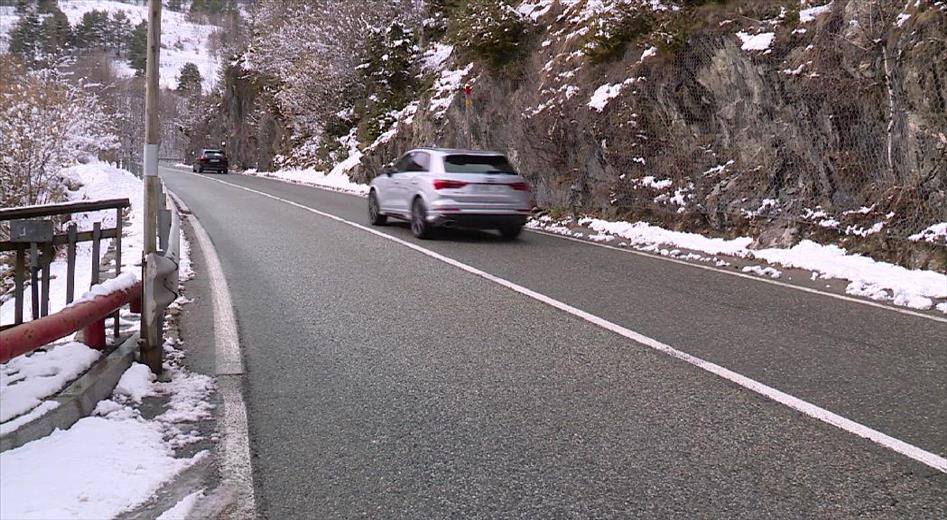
column 491, row 31
column 611, row 32
column 387, row 80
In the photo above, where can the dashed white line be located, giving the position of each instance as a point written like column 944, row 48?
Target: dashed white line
column 908, row 450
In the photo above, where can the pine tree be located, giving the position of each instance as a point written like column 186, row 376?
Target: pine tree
column 120, row 32
column 93, row 31
column 57, row 33
column 26, row 38
column 138, row 48
column 190, row 80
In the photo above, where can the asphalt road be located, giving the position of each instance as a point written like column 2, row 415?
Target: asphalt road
column 383, row 383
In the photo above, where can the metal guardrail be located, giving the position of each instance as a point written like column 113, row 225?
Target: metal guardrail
column 160, row 279
column 86, row 316
column 32, row 234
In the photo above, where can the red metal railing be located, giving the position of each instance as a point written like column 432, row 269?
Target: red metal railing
column 86, row 316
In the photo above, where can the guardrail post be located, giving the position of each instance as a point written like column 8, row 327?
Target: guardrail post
column 96, row 250
column 19, row 277
column 34, row 280
column 71, row 233
column 47, row 261
column 93, row 334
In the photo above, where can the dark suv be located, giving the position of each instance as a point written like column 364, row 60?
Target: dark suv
column 210, row 160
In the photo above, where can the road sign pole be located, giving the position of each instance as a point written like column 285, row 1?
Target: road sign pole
column 150, row 333
column 467, row 104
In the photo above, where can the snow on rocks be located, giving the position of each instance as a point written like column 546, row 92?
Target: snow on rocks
column 931, row 234
column 446, row 85
column 25, row 381
column 756, row 42
column 434, row 58
column 810, row 14
column 603, row 95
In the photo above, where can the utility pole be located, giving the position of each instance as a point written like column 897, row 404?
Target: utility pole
column 150, row 351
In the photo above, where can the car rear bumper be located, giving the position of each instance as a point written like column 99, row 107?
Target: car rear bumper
column 217, row 167
column 478, row 220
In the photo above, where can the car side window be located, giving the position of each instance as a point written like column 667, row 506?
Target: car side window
column 404, row 164
column 423, row 161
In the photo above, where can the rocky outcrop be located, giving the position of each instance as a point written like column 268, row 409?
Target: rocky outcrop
column 838, row 123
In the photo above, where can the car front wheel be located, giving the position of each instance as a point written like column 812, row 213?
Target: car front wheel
column 375, row 215
column 419, row 224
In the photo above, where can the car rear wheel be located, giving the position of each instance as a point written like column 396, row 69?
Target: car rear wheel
column 375, row 215
column 511, row 232
column 419, row 224
column 200, row 169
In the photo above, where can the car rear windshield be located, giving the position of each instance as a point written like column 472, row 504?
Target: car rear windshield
column 214, row 153
column 458, row 163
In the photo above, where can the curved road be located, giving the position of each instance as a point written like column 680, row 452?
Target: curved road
column 382, row 382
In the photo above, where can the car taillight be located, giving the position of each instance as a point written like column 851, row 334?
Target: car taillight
column 519, row 186
column 203, row 158
column 447, row 184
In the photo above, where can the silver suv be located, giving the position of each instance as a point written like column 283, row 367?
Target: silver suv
column 436, row 187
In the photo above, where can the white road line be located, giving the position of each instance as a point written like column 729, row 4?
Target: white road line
column 913, row 452
column 809, row 290
column 235, row 442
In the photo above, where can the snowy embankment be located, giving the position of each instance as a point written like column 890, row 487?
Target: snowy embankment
column 882, row 281
column 116, row 459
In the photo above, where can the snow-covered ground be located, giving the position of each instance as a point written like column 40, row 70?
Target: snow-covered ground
column 918, row 289
column 115, row 459
column 182, row 40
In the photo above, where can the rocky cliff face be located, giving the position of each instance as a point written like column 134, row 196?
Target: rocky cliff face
column 834, row 119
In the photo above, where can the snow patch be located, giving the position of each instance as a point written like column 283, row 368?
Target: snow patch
column 182, row 509
column 810, row 14
column 756, row 42
column 931, row 233
column 136, row 383
column 25, row 381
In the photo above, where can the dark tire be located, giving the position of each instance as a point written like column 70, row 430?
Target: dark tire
column 419, row 224
column 200, row 169
column 375, row 216
column 225, row 172
column 511, row 232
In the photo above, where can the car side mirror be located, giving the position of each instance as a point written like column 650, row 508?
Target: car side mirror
column 388, row 170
